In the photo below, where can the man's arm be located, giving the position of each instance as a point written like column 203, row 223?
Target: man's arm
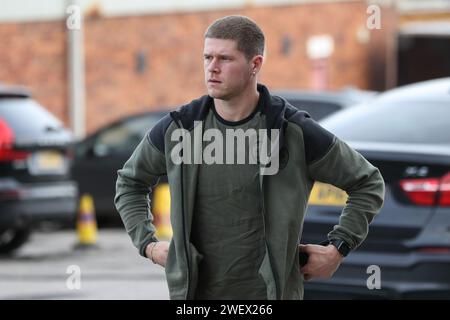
column 348, row 170
column 332, row 161
column 133, row 190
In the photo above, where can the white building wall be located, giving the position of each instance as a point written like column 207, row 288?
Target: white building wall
column 42, row 10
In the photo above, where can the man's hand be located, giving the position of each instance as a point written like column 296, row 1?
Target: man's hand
column 157, row 252
column 323, row 261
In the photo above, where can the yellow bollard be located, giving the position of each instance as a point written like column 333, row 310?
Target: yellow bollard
column 161, row 212
column 86, row 224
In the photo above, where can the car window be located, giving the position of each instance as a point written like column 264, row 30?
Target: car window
column 26, row 116
column 316, row 109
column 124, row 137
column 396, row 122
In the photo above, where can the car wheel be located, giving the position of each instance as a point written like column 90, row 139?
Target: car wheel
column 11, row 239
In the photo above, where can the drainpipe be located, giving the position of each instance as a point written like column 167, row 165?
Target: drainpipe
column 75, row 58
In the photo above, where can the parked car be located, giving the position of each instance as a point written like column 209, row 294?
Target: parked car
column 405, row 132
column 35, row 184
column 320, row 104
column 101, row 154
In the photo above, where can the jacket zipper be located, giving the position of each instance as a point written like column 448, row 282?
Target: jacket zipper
column 183, row 215
column 263, row 211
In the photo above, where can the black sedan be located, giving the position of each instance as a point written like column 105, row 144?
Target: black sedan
column 321, row 104
column 405, row 132
column 100, row 155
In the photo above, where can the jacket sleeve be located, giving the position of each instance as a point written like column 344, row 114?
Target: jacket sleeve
column 134, row 185
column 330, row 160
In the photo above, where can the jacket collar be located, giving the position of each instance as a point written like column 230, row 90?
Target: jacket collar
column 273, row 108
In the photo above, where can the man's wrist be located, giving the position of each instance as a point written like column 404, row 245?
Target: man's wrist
column 151, row 248
column 342, row 247
column 335, row 251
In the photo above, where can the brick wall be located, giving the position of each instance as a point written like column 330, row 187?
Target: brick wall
column 169, row 50
column 34, row 54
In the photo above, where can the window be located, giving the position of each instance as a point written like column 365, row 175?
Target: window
column 27, row 117
column 124, row 137
column 316, row 109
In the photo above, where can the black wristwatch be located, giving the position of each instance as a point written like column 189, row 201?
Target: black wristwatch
column 341, row 246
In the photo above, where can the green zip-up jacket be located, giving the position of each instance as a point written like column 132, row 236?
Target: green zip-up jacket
column 307, row 153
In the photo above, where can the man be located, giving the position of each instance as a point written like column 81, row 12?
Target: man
column 235, row 226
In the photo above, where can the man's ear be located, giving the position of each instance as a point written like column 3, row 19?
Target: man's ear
column 257, row 62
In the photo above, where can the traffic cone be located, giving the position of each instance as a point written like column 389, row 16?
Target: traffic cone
column 161, row 212
column 86, row 223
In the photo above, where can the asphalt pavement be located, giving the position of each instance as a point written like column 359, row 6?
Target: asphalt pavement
column 50, row 267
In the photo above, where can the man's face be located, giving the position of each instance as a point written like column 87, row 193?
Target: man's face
column 227, row 71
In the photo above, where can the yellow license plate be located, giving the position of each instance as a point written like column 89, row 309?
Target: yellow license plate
column 48, row 160
column 324, row 194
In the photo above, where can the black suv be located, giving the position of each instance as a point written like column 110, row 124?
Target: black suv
column 35, row 161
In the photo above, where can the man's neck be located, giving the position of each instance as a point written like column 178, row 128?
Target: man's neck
column 237, row 108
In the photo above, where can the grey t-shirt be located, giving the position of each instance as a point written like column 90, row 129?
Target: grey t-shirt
column 227, row 226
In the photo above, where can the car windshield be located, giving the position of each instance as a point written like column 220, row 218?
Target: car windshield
column 423, row 122
column 125, row 136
